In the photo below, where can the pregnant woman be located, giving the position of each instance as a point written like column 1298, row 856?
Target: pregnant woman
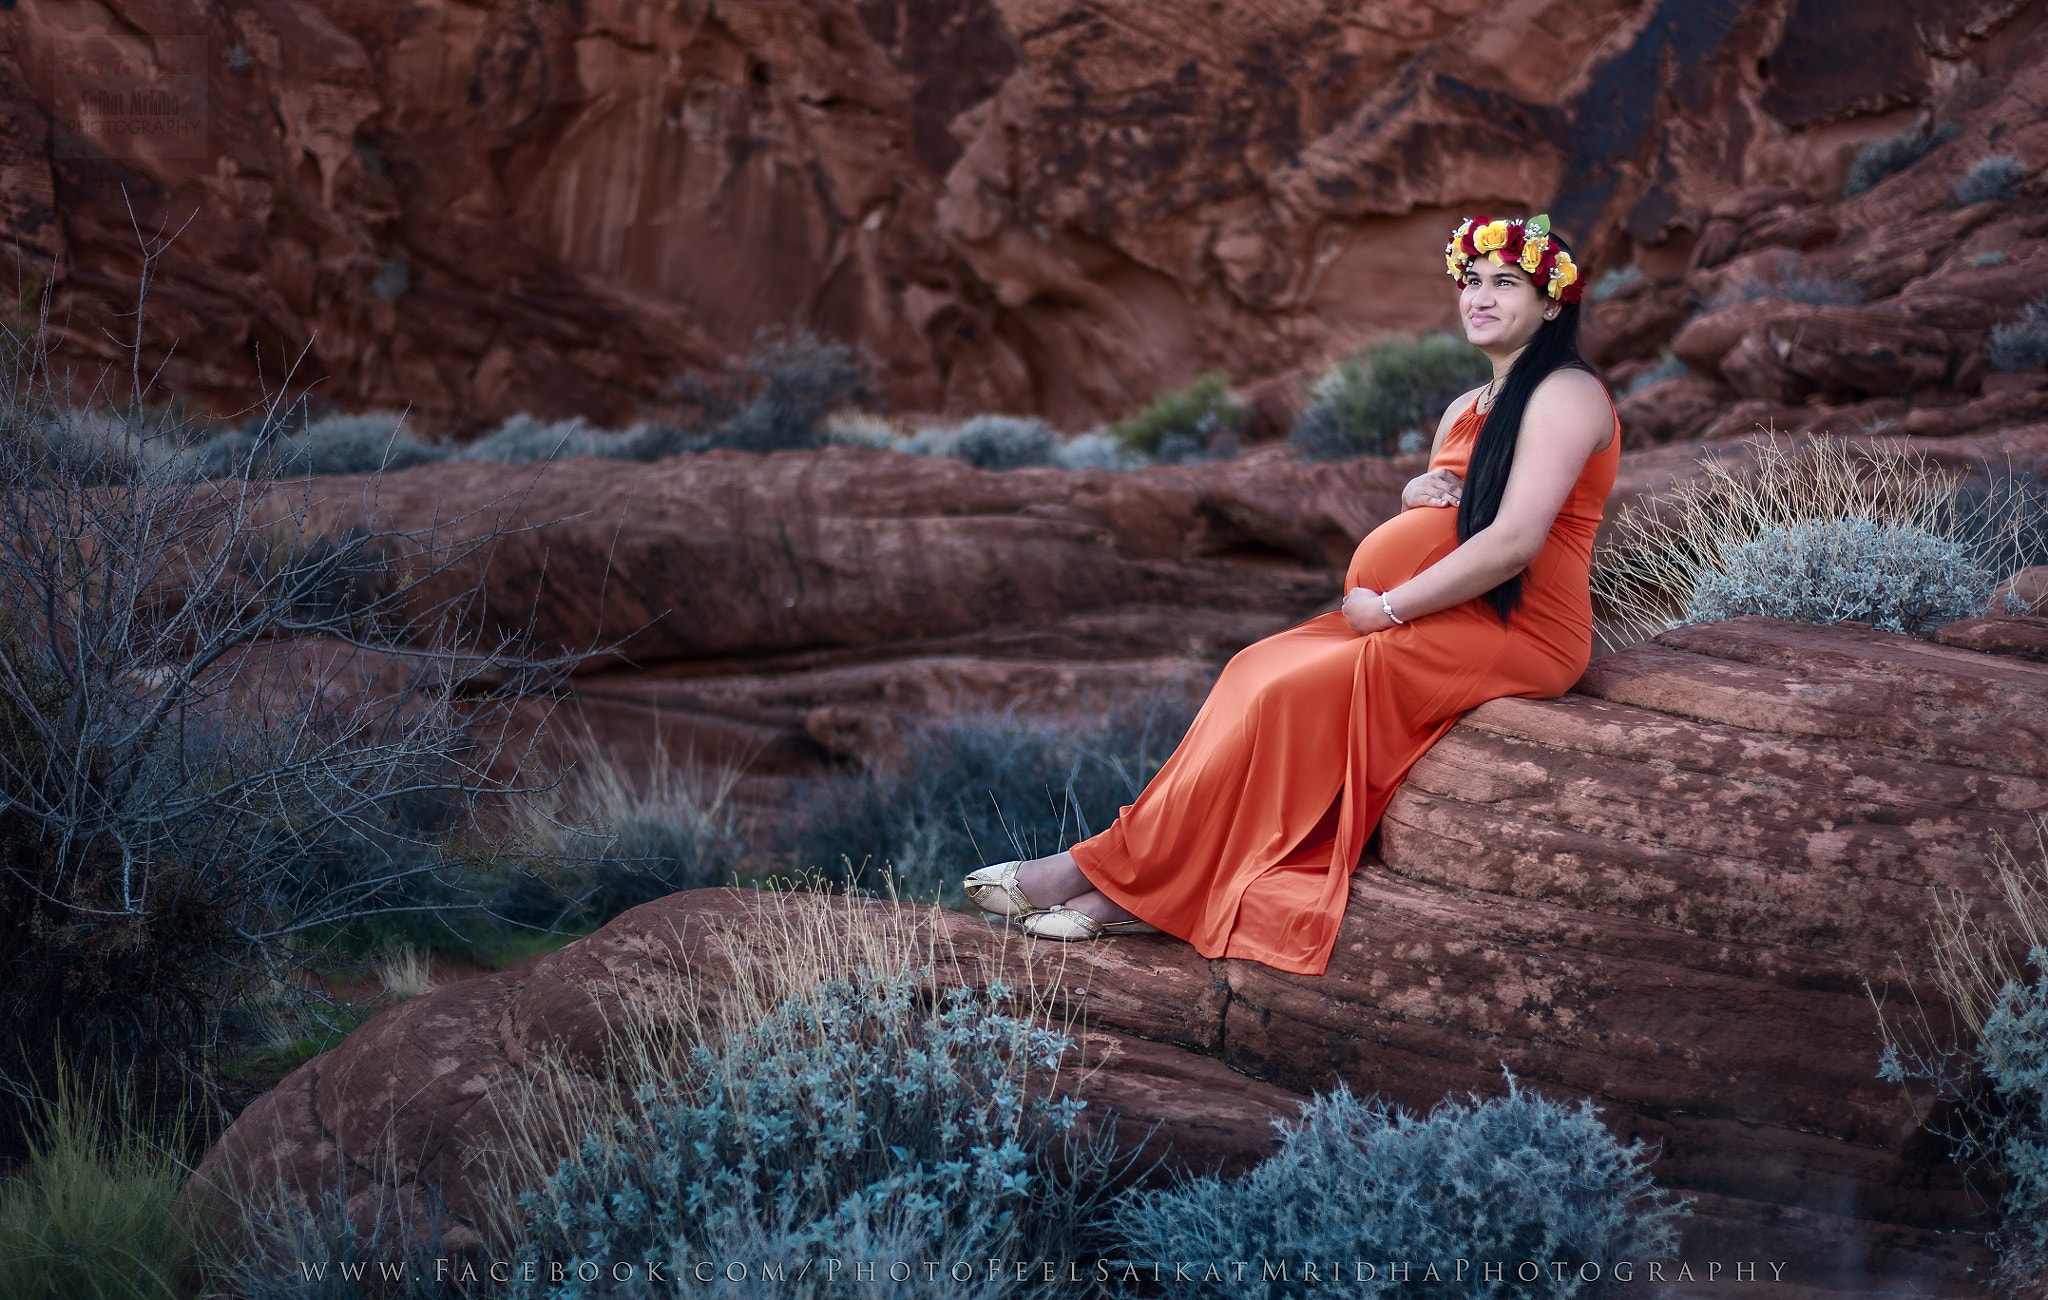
column 1244, row 842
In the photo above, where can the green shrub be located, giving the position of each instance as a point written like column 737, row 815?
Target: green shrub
column 1996, row 178
column 984, row 789
column 90, row 1214
column 1179, row 425
column 858, row 1114
column 1895, row 577
column 1515, row 1178
column 1400, row 386
column 2022, row 342
column 1882, row 158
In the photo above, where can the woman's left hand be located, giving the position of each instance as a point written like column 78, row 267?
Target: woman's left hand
column 1362, row 611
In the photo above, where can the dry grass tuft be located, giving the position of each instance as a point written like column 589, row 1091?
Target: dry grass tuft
column 405, row 973
column 1662, row 548
column 1975, row 957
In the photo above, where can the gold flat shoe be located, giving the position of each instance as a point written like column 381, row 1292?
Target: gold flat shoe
column 994, row 890
column 1069, row 925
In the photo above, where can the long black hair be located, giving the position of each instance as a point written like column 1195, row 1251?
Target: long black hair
column 1555, row 347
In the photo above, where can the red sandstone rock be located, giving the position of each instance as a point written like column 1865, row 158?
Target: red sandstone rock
column 1671, row 410
column 725, row 554
column 1782, row 351
column 2000, row 635
column 423, row 1088
column 1040, row 207
column 2029, row 585
column 1665, row 890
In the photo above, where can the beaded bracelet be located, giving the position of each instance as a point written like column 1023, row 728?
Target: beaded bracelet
column 1389, row 609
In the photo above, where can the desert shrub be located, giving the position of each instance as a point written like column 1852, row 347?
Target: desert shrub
column 1895, row 577
column 350, row 444
column 522, row 440
column 195, row 777
column 231, row 453
column 603, row 840
column 984, row 789
column 936, row 440
column 1882, row 158
column 849, row 427
column 1995, row 178
column 1789, row 279
column 1514, row 1178
column 1614, row 280
column 1004, row 442
column 1095, row 451
column 101, row 444
column 1990, row 1065
column 1665, row 550
column 90, row 1212
column 993, row 442
column 1179, row 425
column 344, row 1241
column 2022, row 342
column 1365, row 404
column 857, row 1114
column 782, row 394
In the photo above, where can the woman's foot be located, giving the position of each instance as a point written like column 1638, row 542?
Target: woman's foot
column 1057, row 881
column 1051, row 880
column 1097, row 905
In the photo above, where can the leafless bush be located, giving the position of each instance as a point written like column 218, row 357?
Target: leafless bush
column 231, row 720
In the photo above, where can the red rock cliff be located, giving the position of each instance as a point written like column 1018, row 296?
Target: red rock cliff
column 1046, row 205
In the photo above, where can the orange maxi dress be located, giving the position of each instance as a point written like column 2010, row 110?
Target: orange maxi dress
column 1244, row 842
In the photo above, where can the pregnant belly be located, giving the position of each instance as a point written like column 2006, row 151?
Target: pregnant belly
column 1402, row 547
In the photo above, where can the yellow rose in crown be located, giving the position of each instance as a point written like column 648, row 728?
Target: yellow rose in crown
column 1532, row 254
column 1565, row 274
column 1491, row 237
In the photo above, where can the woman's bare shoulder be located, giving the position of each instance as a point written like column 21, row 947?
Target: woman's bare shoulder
column 1569, row 389
column 1572, row 400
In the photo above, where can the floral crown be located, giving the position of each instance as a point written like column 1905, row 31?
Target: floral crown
column 1525, row 243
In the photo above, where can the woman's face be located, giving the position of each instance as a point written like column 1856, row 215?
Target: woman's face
column 1500, row 306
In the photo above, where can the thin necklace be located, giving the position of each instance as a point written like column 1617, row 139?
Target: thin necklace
column 1485, row 402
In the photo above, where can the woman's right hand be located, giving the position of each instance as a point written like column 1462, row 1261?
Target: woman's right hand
column 1439, row 487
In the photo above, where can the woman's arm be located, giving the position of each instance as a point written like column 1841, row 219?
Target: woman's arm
column 1568, row 418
